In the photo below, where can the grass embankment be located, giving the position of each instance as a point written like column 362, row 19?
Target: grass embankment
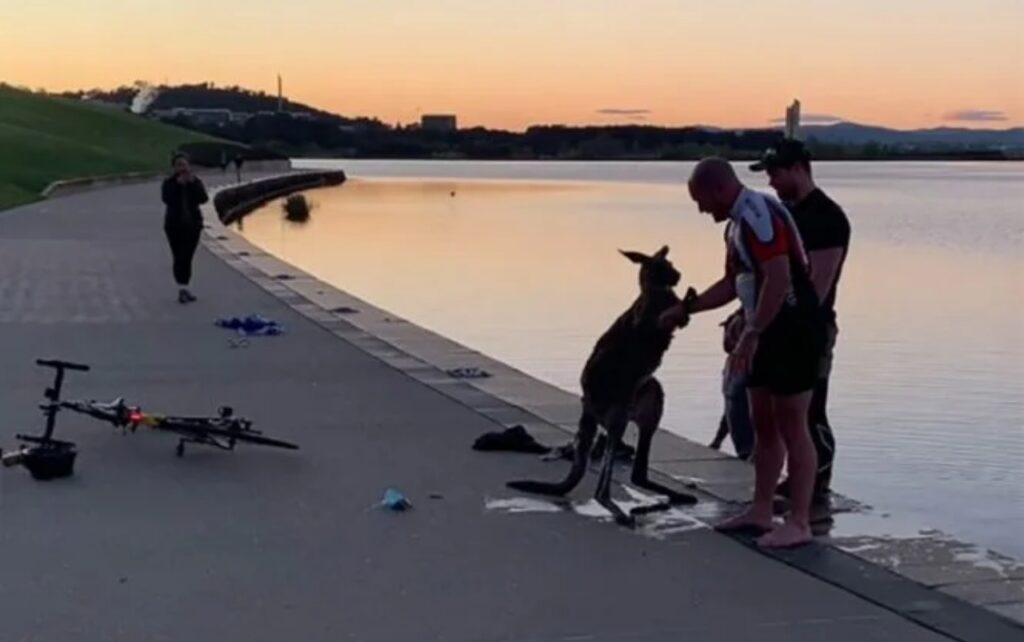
column 44, row 139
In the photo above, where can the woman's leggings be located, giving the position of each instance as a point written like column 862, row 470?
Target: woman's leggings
column 183, row 241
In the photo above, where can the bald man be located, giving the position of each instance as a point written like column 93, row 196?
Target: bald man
column 781, row 343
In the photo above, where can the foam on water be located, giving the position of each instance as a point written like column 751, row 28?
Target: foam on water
column 984, row 558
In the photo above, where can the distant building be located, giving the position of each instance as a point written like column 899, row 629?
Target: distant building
column 104, row 103
column 223, row 116
column 438, row 122
column 197, row 116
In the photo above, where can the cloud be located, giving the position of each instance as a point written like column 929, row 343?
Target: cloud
column 812, row 119
column 618, row 111
column 976, row 115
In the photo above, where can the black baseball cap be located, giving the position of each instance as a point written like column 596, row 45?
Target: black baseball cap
column 785, row 153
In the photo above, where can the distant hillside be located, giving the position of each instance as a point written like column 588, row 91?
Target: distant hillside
column 298, row 130
column 43, row 139
column 845, row 133
column 209, row 96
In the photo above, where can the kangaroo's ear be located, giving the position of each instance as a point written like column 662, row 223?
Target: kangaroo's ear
column 635, row 257
column 662, row 253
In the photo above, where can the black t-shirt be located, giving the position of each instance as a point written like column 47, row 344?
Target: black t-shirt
column 823, row 225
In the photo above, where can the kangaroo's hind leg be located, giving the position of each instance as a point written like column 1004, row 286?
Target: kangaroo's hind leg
column 616, row 419
column 646, row 411
column 584, row 441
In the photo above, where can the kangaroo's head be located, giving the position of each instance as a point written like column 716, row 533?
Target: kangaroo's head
column 656, row 271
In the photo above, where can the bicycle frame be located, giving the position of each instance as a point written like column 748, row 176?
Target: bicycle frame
column 47, row 457
column 196, row 430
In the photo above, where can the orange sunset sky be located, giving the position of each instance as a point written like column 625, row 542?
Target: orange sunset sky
column 901, row 63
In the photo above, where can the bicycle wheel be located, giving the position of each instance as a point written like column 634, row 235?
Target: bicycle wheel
column 248, row 437
column 200, row 427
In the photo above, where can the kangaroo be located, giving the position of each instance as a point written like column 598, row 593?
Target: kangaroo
column 619, row 386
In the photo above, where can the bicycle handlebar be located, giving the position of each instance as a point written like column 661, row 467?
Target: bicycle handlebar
column 65, row 365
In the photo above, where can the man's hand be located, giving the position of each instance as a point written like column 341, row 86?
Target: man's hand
column 690, row 299
column 678, row 316
column 675, row 317
column 733, row 329
column 741, row 359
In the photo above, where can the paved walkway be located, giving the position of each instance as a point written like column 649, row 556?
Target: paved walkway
column 265, row 545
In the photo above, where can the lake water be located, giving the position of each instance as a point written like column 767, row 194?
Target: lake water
column 519, row 261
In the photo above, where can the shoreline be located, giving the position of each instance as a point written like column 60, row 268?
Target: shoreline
column 735, row 159
column 937, row 564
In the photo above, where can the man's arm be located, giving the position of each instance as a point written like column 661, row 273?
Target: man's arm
column 720, row 293
column 774, row 283
column 826, row 236
column 824, row 267
column 771, row 250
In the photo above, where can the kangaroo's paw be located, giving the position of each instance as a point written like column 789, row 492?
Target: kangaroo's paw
column 675, row 498
column 621, row 518
column 628, row 521
column 660, row 507
column 681, row 498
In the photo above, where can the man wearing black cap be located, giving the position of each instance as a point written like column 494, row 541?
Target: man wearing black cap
column 825, row 232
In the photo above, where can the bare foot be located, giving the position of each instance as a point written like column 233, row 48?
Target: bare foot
column 749, row 520
column 787, row 535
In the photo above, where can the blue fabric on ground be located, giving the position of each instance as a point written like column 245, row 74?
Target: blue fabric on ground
column 254, row 324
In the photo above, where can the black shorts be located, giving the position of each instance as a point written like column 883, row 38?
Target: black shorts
column 789, row 353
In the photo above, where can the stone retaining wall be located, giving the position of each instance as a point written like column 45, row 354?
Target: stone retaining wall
column 232, row 203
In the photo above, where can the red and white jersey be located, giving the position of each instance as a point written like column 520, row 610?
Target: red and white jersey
column 761, row 228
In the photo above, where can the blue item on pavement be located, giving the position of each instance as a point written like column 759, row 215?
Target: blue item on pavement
column 395, row 500
column 254, row 324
